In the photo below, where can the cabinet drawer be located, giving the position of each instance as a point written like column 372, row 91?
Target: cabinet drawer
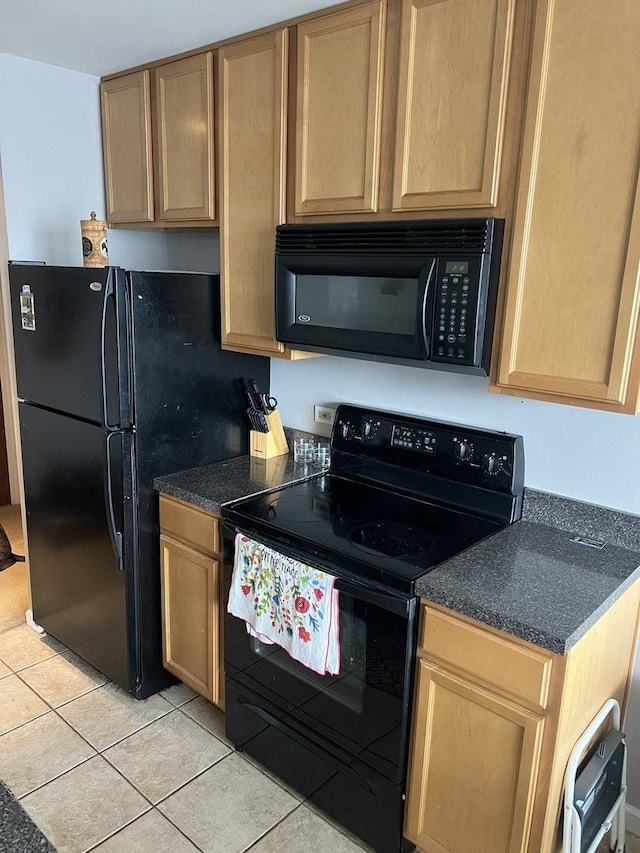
column 487, row 657
column 190, row 524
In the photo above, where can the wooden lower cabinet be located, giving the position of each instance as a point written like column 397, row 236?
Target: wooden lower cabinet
column 476, row 774
column 495, row 719
column 191, row 582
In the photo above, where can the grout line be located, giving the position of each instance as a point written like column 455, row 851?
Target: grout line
column 271, row 829
column 171, row 793
column 111, row 834
column 55, row 778
column 175, row 826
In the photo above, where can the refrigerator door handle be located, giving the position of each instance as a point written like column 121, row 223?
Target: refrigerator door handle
column 115, row 534
column 109, row 295
column 128, row 358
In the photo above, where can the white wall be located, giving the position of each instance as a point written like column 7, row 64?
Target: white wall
column 51, row 156
column 140, row 250
column 580, row 453
column 51, row 151
column 194, row 251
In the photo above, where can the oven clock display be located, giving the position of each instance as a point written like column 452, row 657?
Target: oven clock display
column 413, row 439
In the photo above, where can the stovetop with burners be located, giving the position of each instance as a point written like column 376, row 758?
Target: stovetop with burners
column 402, row 495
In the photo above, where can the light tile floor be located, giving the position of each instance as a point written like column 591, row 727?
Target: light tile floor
column 98, row 770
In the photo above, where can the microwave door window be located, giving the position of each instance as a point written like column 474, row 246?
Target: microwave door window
column 379, row 305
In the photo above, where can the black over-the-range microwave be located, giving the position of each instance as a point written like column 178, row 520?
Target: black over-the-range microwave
column 415, row 292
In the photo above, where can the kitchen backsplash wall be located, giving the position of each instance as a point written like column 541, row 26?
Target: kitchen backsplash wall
column 580, row 453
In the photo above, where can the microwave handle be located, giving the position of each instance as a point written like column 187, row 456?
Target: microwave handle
column 425, row 278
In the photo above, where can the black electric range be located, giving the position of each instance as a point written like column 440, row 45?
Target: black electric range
column 401, row 496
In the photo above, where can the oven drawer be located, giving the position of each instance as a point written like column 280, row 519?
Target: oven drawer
column 492, row 658
column 190, row 524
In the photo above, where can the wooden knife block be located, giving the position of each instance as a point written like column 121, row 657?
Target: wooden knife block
column 265, row 445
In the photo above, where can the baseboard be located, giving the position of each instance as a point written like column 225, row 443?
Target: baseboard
column 28, row 616
column 632, row 818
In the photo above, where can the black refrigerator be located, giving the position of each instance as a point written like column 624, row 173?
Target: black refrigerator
column 120, row 379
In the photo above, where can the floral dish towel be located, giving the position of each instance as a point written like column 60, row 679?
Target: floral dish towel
column 286, row 602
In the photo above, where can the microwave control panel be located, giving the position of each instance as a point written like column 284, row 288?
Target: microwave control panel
column 456, row 310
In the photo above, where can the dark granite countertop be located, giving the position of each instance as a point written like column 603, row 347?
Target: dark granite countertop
column 212, row 485
column 529, row 580
column 532, row 581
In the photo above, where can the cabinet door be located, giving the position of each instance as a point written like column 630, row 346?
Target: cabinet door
column 184, row 134
column 573, row 284
column 126, row 138
column 190, row 617
column 452, row 92
column 253, row 77
column 474, row 765
column 339, row 93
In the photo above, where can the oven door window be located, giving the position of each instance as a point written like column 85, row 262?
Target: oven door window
column 360, row 711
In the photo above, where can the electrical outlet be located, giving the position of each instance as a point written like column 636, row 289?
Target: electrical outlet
column 324, row 415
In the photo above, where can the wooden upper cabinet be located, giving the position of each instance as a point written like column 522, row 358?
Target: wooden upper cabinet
column 339, row 100
column 126, row 136
column 452, row 92
column 184, row 138
column 253, row 81
column 570, row 332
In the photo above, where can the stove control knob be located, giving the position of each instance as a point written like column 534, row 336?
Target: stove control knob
column 492, row 464
column 464, row 451
column 369, row 429
column 346, row 431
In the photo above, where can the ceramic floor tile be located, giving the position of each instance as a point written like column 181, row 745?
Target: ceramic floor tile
column 84, row 806
column 4, row 670
column 208, row 715
column 21, row 647
column 165, row 755
column 228, row 807
column 37, row 752
column 151, row 833
column 62, row 678
column 293, row 834
column 18, row 704
column 178, row 694
column 109, row 714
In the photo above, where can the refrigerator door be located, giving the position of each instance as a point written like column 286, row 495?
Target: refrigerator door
column 189, row 411
column 70, row 336
column 80, row 594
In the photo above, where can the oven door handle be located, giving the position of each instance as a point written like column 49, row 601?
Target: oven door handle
column 400, row 605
